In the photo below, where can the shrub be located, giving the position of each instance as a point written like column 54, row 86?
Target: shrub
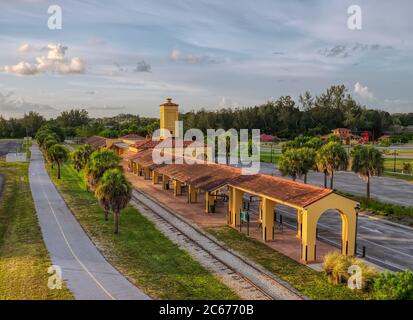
column 407, row 167
column 369, row 273
column 336, row 267
column 394, row 286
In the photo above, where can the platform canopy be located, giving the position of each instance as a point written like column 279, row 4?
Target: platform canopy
column 284, row 191
column 310, row 201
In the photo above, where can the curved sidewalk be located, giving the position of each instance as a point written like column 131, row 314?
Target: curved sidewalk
column 87, row 274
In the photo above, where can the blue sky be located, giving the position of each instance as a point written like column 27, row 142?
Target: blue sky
column 128, row 56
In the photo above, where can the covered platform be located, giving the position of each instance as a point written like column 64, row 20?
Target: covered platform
column 218, row 184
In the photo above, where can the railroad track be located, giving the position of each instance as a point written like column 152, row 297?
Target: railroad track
column 249, row 281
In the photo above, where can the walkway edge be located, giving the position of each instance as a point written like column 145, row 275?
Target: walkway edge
column 94, row 243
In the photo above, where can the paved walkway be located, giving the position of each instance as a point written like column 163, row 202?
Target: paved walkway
column 88, row 275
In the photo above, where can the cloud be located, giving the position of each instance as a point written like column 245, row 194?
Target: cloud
column 227, row 103
column 106, row 108
column 363, row 92
column 55, row 61
column 143, row 66
column 11, row 105
column 333, row 52
column 26, row 47
column 178, row 56
column 343, row 51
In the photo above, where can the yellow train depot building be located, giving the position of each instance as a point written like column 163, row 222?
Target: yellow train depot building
column 219, row 181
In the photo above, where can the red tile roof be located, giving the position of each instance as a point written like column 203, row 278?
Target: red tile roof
column 294, row 193
column 150, row 144
column 211, row 176
column 96, row 142
column 132, row 136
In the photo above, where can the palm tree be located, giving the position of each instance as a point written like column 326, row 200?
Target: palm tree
column 100, row 161
column 308, row 157
column 86, row 151
column 297, row 162
column 48, row 142
column 289, row 164
column 42, row 135
column 81, row 156
column 58, row 153
column 114, row 193
column 367, row 162
column 321, row 165
column 331, row 158
column 76, row 157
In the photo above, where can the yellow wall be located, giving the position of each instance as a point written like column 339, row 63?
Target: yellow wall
column 168, row 115
column 311, row 215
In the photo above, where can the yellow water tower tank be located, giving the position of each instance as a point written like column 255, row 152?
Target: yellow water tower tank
column 169, row 114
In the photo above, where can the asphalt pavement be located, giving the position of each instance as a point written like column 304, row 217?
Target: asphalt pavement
column 87, row 274
column 387, row 244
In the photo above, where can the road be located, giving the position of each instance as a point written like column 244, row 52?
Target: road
column 384, row 189
column 387, row 244
column 88, row 275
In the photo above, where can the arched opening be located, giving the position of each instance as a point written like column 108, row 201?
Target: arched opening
column 331, row 228
column 347, row 214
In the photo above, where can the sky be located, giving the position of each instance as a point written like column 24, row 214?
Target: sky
column 114, row 57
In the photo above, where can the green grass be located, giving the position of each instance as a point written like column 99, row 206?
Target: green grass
column 389, row 168
column 265, row 156
column 23, row 256
column 311, row 283
column 398, row 176
column 140, row 251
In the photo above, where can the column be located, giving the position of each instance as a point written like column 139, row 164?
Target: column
column 349, row 222
column 191, row 194
column 236, row 206
column 209, row 200
column 177, row 187
column 299, row 223
column 165, row 180
column 308, row 238
column 146, row 173
column 267, row 219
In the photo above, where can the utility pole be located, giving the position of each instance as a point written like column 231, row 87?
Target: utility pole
column 271, row 152
column 394, row 160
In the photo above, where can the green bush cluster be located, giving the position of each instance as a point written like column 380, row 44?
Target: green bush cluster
column 394, row 286
column 383, row 286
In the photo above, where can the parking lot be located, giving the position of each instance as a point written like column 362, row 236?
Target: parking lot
column 7, row 146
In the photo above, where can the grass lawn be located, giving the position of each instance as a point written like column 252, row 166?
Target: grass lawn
column 265, row 156
column 140, row 251
column 311, row 283
column 23, row 256
column 389, row 168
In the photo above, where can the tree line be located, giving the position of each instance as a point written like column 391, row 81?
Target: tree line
column 283, row 117
column 76, row 123
column 102, row 171
column 313, row 115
